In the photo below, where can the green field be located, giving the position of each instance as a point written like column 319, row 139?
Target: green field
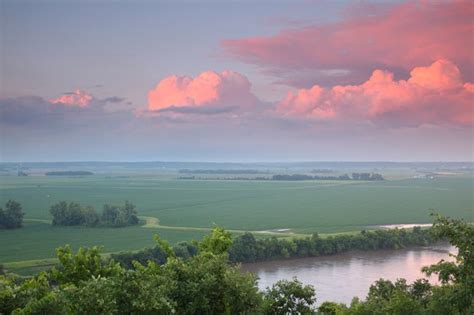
column 186, row 208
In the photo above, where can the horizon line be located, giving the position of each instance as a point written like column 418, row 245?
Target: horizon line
column 239, row 162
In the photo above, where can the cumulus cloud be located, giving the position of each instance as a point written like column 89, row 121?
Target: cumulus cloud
column 209, row 89
column 432, row 95
column 70, row 110
column 397, row 39
column 77, row 98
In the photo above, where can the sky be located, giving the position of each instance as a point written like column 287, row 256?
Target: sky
column 236, row 81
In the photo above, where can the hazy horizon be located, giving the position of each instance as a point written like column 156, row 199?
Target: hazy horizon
column 239, row 162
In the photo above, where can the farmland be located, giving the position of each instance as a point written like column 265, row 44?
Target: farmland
column 185, row 209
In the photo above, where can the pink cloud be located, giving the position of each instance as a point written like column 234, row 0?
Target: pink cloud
column 399, row 39
column 77, row 98
column 210, row 88
column 432, row 95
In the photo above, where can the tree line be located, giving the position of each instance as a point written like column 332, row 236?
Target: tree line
column 12, row 216
column 286, row 177
column 72, row 213
column 221, row 171
column 246, row 248
column 207, row 283
column 355, row 176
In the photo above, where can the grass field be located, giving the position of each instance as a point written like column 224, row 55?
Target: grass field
column 186, row 208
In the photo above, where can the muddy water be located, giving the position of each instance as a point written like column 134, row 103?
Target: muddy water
column 341, row 277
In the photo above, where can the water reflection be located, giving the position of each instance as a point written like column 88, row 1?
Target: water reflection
column 339, row 278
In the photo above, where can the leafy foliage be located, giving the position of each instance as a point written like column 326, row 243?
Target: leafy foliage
column 458, row 273
column 118, row 216
column 67, row 213
column 72, row 213
column 12, row 216
column 84, row 265
column 246, row 248
column 87, row 284
column 205, row 283
column 289, row 297
column 218, row 242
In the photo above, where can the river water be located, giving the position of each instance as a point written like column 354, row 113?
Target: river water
column 339, row 278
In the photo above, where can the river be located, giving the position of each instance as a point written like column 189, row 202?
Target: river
column 339, row 278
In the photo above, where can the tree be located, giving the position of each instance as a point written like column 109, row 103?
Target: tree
column 72, row 213
column 130, row 211
column 90, row 216
column 110, row 215
column 458, row 273
column 118, row 216
column 243, row 249
column 85, row 265
column 12, row 216
column 420, row 289
column 96, row 296
column 289, row 297
column 67, row 213
column 185, row 249
column 85, row 283
column 59, row 212
column 332, row 308
column 217, row 243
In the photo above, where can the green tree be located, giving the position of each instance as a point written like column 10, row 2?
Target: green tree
column 119, row 216
column 110, row 215
column 460, row 272
column 421, row 289
column 95, row 296
column 331, row 308
column 289, row 297
column 217, row 243
column 130, row 211
column 185, row 249
column 16, row 294
column 244, row 248
column 90, row 216
column 12, row 216
column 85, row 265
column 67, row 213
